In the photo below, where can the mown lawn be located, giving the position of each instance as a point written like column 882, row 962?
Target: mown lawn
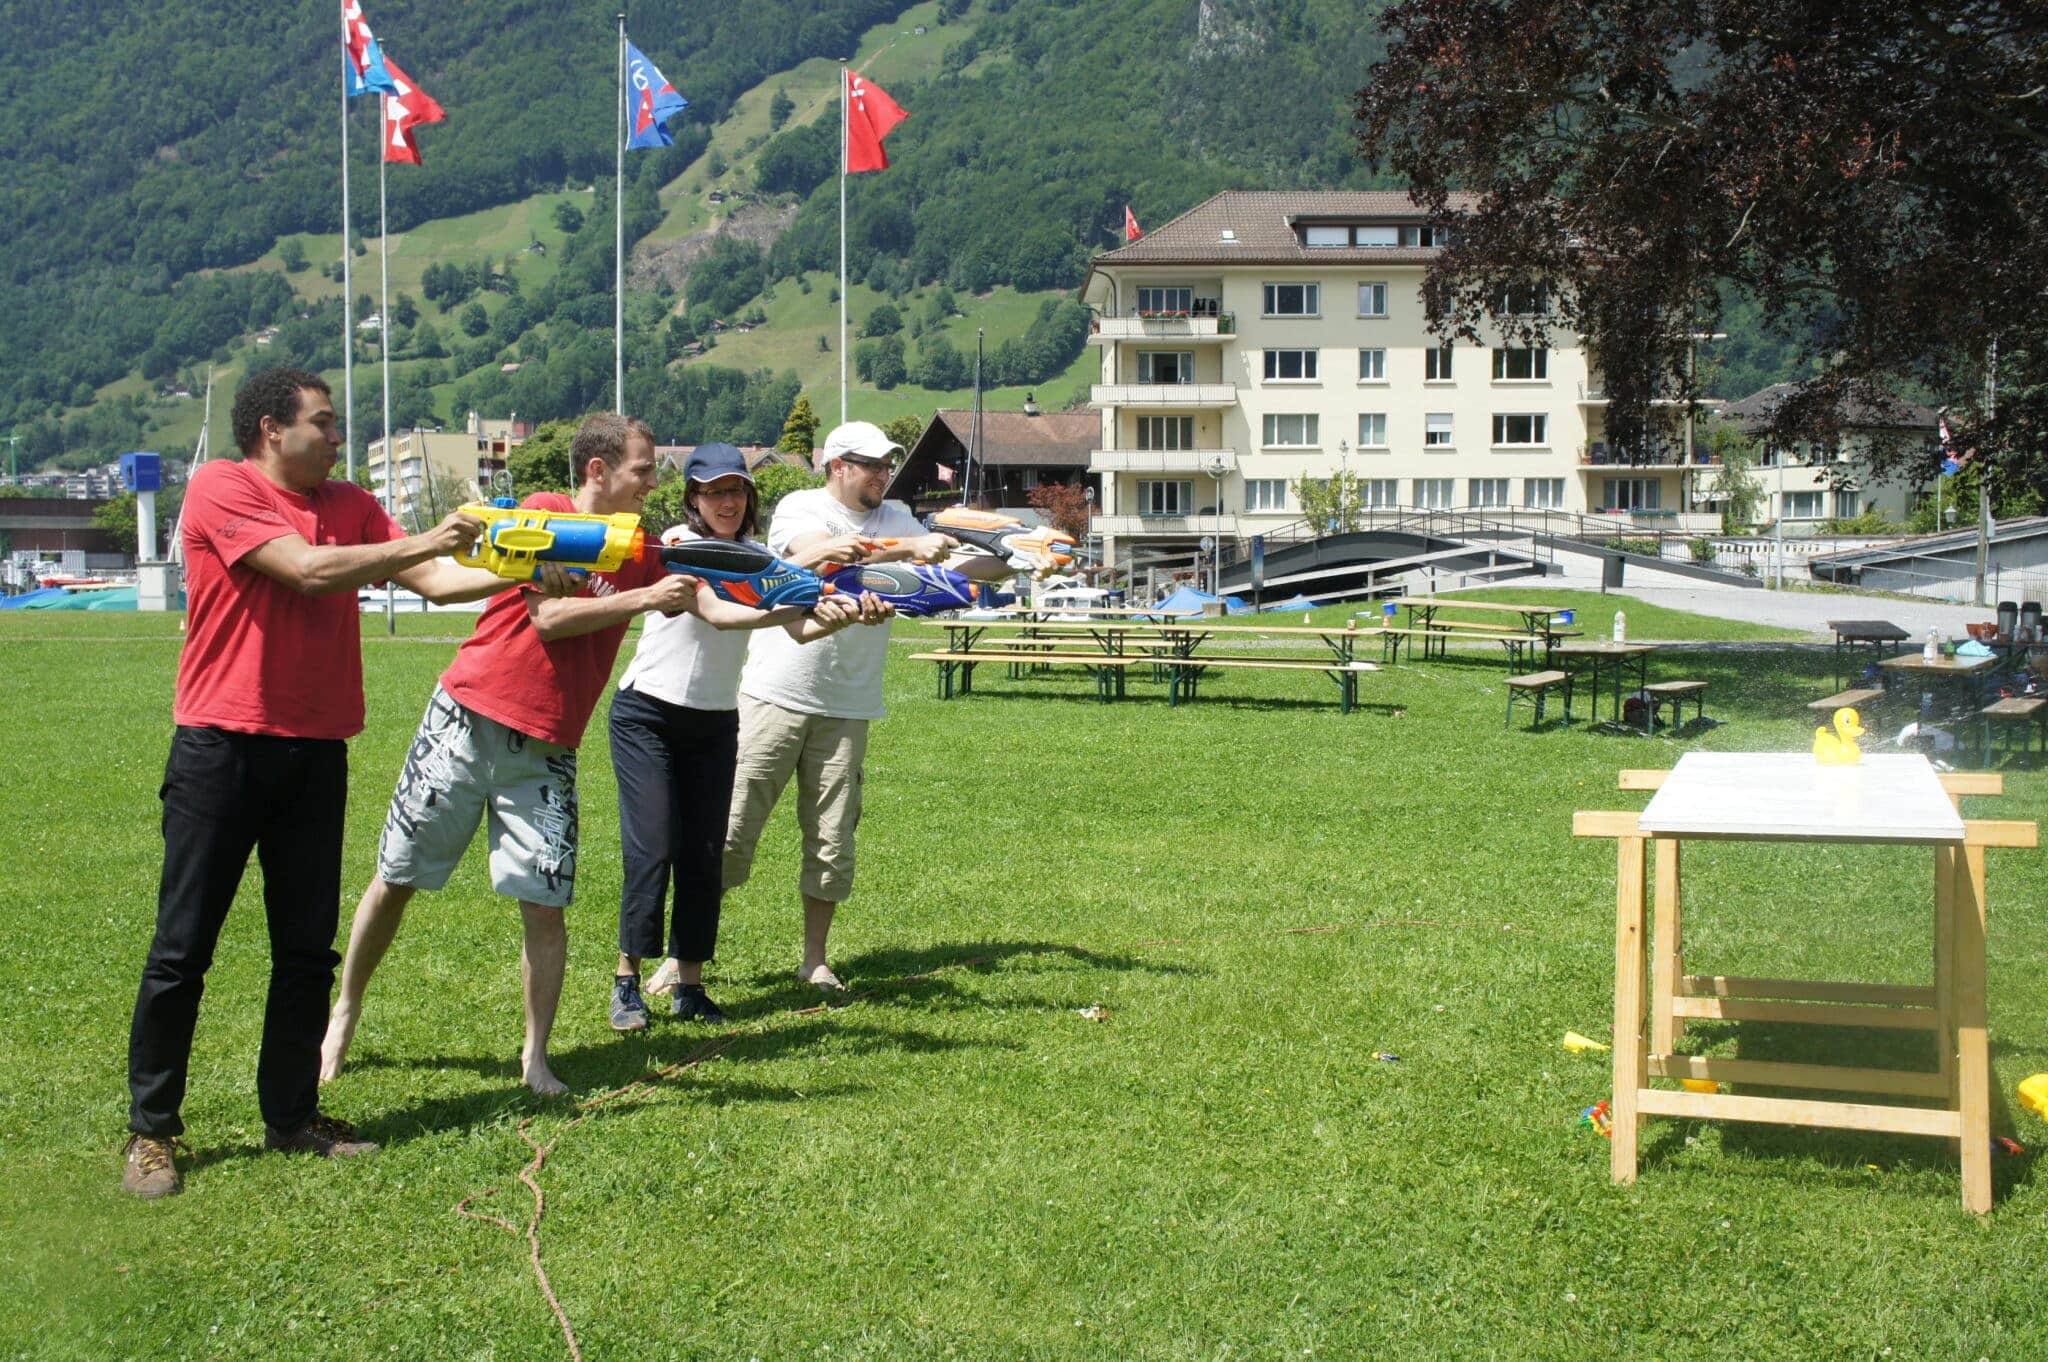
column 1262, row 893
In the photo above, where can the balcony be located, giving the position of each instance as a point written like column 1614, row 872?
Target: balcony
column 1179, row 396
column 1161, row 460
column 1108, row 330
column 1179, row 526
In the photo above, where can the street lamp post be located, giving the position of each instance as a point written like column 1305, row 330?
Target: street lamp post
column 1343, row 483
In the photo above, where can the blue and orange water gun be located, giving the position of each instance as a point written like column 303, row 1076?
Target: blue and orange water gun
column 752, row 576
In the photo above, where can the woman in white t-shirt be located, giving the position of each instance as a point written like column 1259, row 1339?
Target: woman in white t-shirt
column 674, row 736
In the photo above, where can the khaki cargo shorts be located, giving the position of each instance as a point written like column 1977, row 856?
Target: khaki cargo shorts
column 825, row 755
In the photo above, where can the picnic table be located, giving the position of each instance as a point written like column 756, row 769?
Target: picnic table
column 1950, row 671
column 1855, row 635
column 1598, row 655
column 1174, row 650
column 1787, row 797
column 1536, row 621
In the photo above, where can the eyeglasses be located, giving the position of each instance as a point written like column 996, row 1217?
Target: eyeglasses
column 867, row 465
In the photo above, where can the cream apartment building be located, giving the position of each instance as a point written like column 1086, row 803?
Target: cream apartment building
column 1806, row 484
column 428, row 461
column 1264, row 337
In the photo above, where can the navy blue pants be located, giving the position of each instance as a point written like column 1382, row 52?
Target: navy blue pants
column 675, row 772
column 226, row 795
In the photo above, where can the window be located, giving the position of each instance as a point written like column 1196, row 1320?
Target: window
column 1520, row 428
column 1326, row 236
column 1290, row 366
column 1425, row 236
column 1378, row 236
column 1543, row 494
column 1294, row 300
column 1376, row 492
column 1522, row 300
column 1635, row 494
column 1802, row 506
column 1372, row 300
column 1436, row 430
column 1372, row 430
column 1486, row 492
column 1436, row 364
column 1171, row 302
column 1521, row 366
column 1290, row 429
column 1265, row 494
column 1165, row 498
column 1848, row 504
column 1166, row 366
column 1434, row 494
column 1372, row 366
column 1166, row 432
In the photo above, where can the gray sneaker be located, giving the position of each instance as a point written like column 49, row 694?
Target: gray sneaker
column 328, row 1136
column 149, row 1168
column 629, row 1009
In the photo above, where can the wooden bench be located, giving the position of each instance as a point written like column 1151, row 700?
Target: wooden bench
column 1538, row 685
column 1109, row 671
column 1186, row 674
column 1848, row 699
column 1674, row 694
column 1390, row 638
column 2018, row 710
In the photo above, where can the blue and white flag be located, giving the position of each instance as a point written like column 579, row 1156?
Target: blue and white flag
column 363, row 68
column 653, row 102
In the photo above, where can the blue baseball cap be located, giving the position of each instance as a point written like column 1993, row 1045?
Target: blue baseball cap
column 709, row 463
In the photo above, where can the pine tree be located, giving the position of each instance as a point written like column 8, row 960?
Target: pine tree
column 800, row 429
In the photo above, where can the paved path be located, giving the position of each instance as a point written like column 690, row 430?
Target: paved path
column 1811, row 610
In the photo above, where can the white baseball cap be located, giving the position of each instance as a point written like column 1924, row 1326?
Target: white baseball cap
column 863, row 439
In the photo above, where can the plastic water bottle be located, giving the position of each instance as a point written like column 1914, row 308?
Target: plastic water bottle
column 1621, row 626
column 1932, row 651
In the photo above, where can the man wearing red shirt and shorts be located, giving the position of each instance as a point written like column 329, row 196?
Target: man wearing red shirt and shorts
column 270, row 688
column 499, row 740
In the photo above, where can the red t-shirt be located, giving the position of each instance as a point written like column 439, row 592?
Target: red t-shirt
column 544, row 690
column 260, row 657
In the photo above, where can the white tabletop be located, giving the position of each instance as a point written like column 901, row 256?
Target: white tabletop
column 1787, row 796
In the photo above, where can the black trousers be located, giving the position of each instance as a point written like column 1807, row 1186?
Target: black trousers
column 675, row 771
column 226, row 794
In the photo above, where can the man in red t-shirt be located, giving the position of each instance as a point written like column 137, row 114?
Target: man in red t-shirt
column 270, row 687
column 499, row 741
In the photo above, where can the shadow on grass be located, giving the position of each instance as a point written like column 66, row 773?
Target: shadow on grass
column 1842, row 1150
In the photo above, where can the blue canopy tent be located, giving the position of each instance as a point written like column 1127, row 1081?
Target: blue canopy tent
column 1188, row 601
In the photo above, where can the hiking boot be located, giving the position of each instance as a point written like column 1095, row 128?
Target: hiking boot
column 629, row 1009
column 692, row 1003
column 149, row 1169
column 328, row 1136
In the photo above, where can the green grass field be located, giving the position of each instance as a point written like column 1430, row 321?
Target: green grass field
column 1261, row 892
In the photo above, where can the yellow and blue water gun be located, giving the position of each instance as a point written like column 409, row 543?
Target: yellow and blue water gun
column 518, row 539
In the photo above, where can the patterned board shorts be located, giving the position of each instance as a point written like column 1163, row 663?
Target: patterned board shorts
column 462, row 767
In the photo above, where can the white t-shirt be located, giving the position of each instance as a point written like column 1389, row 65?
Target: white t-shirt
column 685, row 661
column 839, row 676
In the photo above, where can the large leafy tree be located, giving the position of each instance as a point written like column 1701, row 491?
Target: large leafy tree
column 1871, row 175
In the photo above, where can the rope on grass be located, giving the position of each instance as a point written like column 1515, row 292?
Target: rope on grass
column 529, row 1176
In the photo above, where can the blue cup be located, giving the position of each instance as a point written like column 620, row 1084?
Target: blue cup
column 1562, row 617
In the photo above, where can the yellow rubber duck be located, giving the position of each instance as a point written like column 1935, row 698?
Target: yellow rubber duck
column 1838, row 747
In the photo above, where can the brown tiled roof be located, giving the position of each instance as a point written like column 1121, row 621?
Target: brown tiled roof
column 1051, row 439
column 1755, row 411
column 1264, row 222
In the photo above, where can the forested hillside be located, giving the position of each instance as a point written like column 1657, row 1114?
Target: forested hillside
column 173, row 189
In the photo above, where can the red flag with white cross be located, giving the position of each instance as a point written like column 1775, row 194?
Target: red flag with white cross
column 870, row 116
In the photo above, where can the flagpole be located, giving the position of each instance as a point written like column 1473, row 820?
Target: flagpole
column 384, row 343
column 619, row 248
column 348, row 321
column 844, row 128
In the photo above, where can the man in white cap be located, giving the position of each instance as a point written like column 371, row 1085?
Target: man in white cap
column 804, row 710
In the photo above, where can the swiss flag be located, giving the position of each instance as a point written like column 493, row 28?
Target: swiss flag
column 870, row 116
column 945, row 474
column 1131, row 231
column 403, row 112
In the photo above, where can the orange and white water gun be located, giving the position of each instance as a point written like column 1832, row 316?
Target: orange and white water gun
column 1037, row 549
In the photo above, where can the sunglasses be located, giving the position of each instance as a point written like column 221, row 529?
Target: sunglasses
column 869, row 465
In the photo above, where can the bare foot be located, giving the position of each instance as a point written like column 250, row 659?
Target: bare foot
column 820, row 976
column 541, row 1079
column 341, row 1029
column 664, row 980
